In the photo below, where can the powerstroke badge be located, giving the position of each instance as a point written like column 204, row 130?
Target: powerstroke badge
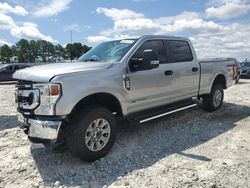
column 126, row 83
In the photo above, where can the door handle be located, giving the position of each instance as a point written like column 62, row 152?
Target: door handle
column 195, row 69
column 168, row 72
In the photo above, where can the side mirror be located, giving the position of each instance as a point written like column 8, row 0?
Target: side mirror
column 148, row 62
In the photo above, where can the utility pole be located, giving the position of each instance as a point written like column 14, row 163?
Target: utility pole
column 71, row 36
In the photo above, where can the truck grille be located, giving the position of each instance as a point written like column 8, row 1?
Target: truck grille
column 27, row 98
column 22, row 84
column 244, row 71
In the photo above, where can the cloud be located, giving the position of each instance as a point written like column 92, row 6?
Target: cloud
column 170, row 19
column 76, row 28
column 30, row 31
column 136, row 24
column 227, row 9
column 228, row 43
column 27, row 30
column 6, row 8
column 210, row 38
column 118, row 14
column 6, row 22
column 98, row 39
column 51, row 9
column 3, row 42
column 101, row 38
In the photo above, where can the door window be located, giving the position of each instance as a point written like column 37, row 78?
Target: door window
column 178, row 51
column 10, row 68
column 17, row 67
column 156, row 45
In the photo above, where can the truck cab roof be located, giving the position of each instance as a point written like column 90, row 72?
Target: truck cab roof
column 162, row 37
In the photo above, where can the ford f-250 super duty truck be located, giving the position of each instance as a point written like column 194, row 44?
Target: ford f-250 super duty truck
column 139, row 79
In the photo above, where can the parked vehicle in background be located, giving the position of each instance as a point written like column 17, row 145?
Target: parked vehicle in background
column 7, row 70
column 137, row 79
column 245, row 70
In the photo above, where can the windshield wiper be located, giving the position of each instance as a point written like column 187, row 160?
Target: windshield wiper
column 91, row 59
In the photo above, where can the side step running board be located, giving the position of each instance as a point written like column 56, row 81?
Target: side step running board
column 167, row 113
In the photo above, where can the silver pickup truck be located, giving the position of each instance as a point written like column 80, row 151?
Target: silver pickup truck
column 139, row 79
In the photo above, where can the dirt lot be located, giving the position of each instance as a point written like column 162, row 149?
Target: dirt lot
column 187, row 149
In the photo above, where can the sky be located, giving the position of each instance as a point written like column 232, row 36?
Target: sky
column 217, row 28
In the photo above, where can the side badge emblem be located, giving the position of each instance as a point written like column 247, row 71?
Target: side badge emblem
column 126, row 83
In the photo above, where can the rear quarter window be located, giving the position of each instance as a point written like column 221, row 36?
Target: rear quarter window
column 178, row 51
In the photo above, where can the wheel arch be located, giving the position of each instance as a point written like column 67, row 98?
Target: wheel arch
column 220, row 79
column 104, row 99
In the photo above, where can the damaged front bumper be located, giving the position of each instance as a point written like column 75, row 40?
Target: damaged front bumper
column 42, row 129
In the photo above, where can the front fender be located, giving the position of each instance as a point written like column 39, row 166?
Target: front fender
column 67, row 102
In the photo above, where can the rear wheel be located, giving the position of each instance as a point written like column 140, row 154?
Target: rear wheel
column 92, row 133
column 214, row 100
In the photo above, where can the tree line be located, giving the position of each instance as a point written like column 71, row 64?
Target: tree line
column 36, row 51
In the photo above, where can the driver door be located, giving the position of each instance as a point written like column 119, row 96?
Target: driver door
column 148, row 87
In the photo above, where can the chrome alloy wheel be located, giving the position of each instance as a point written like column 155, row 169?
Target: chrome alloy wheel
column 97, row 134
column 217, row 98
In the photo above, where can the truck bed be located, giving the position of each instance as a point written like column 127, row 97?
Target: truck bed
column 212, row 67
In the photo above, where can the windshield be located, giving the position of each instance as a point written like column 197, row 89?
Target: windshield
column 247, row 64
column 111, row 51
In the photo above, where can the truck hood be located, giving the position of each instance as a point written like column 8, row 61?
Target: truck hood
column 44, row 73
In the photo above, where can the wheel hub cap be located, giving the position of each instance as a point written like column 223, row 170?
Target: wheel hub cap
column 97, row 134
column 217, row 98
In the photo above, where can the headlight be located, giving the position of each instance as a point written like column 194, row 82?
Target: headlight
column 49, row 95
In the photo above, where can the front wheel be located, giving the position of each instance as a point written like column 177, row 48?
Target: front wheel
column 92, row 133
column 214, row 100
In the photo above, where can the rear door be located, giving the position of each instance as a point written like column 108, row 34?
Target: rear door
column 185, row 68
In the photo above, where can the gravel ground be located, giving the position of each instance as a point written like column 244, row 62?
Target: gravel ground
column 188, row 149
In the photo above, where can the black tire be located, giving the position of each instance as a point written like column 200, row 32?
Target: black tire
column 76, row 134
column 208, row 100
